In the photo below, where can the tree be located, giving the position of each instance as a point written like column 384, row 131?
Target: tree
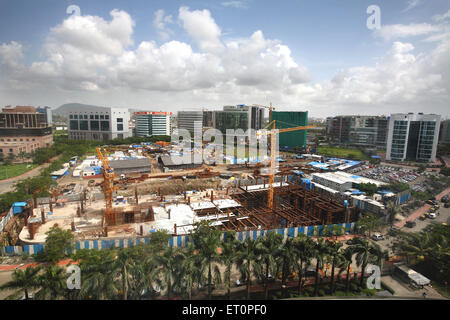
column 52, row 283
column 265, row 247
column 247, row 256
column 368, row 188
column 125, row 263
column 445, row 171
column 304, row 251
column 320, row 250
column 159, row 240
column 345, row 264
column 391, row 211
column 192, row 268
column 362, row 249
column 286, row 255
column 22, row 280
column 99, row 275
column 335, row 255
column 228, row 258
column 206, row 240
column 57, row 243
column 170, row 261
column 369, row 223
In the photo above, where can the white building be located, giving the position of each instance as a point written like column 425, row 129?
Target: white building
column 413, row 137
column 190, row 120
column 153, row 124
column 99, row 123
column 341, row 181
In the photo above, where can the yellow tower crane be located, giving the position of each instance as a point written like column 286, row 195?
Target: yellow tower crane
column 108, row 188
column 273, row 136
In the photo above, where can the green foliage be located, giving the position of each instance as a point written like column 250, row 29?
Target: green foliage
column 395, row 187
column 445, row 171
column 57, row 243
column 369, row 188
column 159, row 240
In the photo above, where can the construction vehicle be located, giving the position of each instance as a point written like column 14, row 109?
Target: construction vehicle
column 273, row 136
column 108, row 189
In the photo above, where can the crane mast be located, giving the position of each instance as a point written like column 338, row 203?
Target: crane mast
column 273, row 136
column 108, row 188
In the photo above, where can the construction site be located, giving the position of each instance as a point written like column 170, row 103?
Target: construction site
column 241, row 197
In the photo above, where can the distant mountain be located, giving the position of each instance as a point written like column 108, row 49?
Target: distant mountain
column 66, row 108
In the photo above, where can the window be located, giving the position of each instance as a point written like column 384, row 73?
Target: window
column 84, row 125
column 75, row 116
column 73, row 125
column 102, row 117
column 107, row 117
column 91, row 117
column 120, row 127
column 119, row 119
column 71, row 116
column 96, row 117
column 104, row 125
column 10, row 150
column 95, row 126
column 85, row 116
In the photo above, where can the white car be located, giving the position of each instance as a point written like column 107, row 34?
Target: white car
column 377, row 236
column 432, row 215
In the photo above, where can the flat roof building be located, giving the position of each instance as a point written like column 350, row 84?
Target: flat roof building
column 98, row 123
column 153, row 123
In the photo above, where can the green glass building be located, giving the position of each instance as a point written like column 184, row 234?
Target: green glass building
column 287, row 119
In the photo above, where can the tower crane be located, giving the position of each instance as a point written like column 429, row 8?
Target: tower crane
column 108, row 188
column 273, row 136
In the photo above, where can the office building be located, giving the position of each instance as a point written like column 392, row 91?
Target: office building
column 99, row 123
column 239, row 117
column 294, row 139
column 190, row 120
column 24, row 129
column 153, row 123
column 413, row 137
column 367, row 131
column 444, row 132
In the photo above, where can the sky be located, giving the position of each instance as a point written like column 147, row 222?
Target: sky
column 325, row 57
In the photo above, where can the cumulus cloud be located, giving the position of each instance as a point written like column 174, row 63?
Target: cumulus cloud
column 235, row 4
column 393, row 31
column 160, row 22
column 96, row 61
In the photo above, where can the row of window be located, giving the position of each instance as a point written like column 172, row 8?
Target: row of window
column 92, row 116
column 17, row 140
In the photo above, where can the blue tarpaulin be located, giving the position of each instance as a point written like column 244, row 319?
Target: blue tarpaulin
column 18, row 207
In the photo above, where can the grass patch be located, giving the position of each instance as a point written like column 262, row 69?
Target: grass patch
column 342, row 153
column 14, row 170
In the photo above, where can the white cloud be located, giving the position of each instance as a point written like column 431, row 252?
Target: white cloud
column 442, row 17
column 92, row 60
column 160, row 23
column 235, row 4
column 412, row 4
column 393, row 31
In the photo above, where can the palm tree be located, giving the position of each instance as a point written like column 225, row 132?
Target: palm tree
column 247, row 256
column 304, row 249
column 22, row 280
column 228, row 258
column 265, row 247
column 362, row 249
column 286, row 255
column 206, row 240
column 101, row 274
column 170, row 261
column 334, row 252
column 192, row 268
column 392, row 211
column 124, row 263
column 378, row 255
column 320, row 251
column 345, row 264
column 52, row 283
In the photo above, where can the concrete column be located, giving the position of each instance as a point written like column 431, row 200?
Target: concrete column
column 43, row 216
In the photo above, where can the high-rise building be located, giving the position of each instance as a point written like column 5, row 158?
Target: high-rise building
column 153, row 123
column 413, row 137
column 99, row 123
column 190, row 120
column 23, row 129
column 444, row 132
column 239, row 117
column 288, row 120
column 358, row 130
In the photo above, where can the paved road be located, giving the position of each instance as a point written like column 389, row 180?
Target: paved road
column 421, row 210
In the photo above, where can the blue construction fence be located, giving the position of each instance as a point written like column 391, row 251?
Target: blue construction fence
column 178, row 241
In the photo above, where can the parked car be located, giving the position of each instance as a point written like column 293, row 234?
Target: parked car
column 410, row 224
column 447, row 205
column 424, row 216
column 432, row 215
column 377, row 237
